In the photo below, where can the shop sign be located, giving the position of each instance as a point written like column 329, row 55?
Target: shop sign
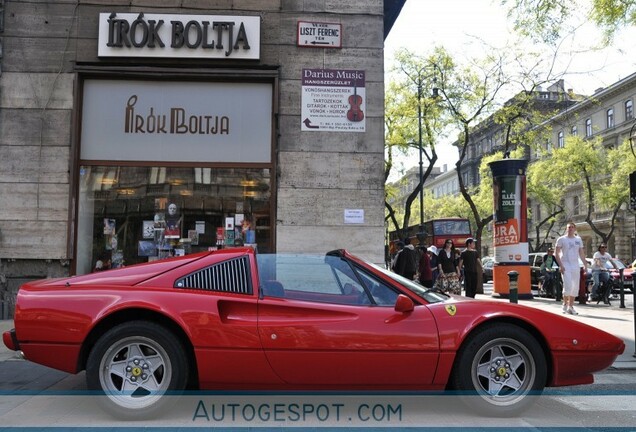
column 179, row 36
column 319, row 34
column 176, row 121
column 333, row 100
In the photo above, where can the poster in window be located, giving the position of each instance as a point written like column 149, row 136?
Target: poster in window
column 148, row 229
column 173, row 222
column 193, row 235
column 146, row 248
column 109, row 227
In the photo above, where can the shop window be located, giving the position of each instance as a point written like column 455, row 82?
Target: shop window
column 135, row 214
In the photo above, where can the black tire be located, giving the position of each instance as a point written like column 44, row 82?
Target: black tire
column 500, row 370
column 138, row 367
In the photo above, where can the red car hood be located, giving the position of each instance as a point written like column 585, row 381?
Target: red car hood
column 127, row 276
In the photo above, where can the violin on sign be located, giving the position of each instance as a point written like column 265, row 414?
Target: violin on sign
column 355, row 113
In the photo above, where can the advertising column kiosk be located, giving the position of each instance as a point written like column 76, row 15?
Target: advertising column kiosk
column 510, row 233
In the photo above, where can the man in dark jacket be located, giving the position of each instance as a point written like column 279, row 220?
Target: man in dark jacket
column 471, row 263
column 406, row 263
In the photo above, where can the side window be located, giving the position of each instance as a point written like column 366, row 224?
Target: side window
column 382, row 294
column 323, row 279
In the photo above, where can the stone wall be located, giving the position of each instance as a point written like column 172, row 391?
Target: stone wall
column 319, row 174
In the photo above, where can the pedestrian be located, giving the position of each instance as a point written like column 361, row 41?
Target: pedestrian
column 406, row 261
column 424, row 269
column 398, row 246
column 548, row 269
column 470, row 262
column 432, row 250
column 600, row 274
column 448, row 280
column 569, row 248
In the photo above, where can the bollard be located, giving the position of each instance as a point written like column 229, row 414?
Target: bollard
column 622, row 288
column 512, row 283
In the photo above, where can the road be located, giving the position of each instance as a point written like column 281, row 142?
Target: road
column 36, row 396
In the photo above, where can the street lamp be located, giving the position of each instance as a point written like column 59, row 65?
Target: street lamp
column 435, row 95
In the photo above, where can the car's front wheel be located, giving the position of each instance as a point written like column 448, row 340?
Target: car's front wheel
column 500, row 370
column 137, row 366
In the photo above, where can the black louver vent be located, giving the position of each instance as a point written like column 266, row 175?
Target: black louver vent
column 228, row 276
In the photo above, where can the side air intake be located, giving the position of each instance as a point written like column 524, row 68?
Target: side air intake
column 229, row 276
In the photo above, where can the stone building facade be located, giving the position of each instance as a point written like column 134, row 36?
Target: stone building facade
column 133, row 130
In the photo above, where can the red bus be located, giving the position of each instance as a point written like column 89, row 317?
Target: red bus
column 436, row 233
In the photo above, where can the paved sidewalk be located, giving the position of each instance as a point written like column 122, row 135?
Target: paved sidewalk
column 611, row 318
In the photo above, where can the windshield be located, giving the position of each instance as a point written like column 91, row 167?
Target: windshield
column 618, row 264
column 430, row 296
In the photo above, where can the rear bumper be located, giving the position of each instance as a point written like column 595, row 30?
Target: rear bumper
column 10, row 340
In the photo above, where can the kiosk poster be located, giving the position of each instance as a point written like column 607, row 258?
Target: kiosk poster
column 333, row 100
column 510, row 221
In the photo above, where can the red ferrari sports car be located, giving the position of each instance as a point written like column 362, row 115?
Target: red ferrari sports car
column 237, row 320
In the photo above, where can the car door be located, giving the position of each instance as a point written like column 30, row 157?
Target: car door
column 314, row 333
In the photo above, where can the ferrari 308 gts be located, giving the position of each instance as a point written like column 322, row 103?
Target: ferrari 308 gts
column 237, row 320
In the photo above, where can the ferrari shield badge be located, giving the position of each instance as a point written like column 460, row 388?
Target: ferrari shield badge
column 451, row 309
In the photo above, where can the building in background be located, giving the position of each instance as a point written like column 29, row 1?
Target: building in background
column 489, row 136
column 608, row 114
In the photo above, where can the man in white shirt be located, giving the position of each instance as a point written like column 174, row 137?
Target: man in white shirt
column 569, row 248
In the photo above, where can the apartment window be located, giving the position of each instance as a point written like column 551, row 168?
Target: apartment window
column 560, row 140
column 548, row 145
column 574, row 131
column 576, row 206
column 629, row 109
column 588, row 127
column 610, row 118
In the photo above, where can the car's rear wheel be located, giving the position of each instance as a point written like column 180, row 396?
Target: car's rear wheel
column 500, row 370
column 137, row 366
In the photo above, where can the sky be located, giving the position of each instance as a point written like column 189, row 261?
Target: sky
column 460, row 25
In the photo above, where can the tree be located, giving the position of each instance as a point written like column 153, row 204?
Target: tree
column 407, row 103
column 547, row 19
column 601, row 171
column 548, row 194
column 470, row 94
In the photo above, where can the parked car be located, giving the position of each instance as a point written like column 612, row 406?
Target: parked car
column 487, row 264
column 234, row 319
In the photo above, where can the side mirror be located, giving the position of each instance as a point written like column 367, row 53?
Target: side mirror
column 404, row 304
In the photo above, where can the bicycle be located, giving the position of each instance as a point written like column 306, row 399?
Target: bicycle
column 604, row 292
column 552, row 284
